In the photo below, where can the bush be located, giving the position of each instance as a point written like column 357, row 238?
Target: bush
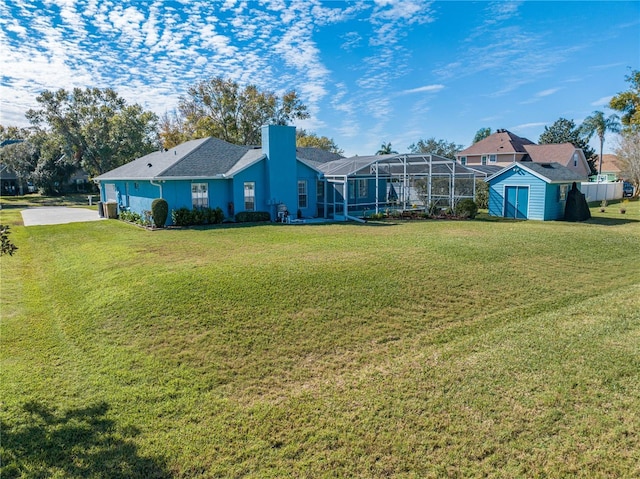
column 197, row 216
column 482, row 194
column 160, row 212
column 130, row 217
column 252, row 216
column 466, row 208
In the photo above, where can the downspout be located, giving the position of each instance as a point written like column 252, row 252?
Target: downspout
column 159, row 185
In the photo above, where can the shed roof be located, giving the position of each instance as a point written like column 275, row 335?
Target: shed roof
column 548, row 172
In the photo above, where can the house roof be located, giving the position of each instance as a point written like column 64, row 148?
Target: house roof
column 502, row 141
column 548, row 172
column 203, row 158
column 611, row 164
column 560, row 153
column 316, row 155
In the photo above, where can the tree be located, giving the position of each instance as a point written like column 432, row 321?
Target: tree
column 628, row 152
column 385, row 149
column 6, row 246
column 220, row 108
column 173, row 130
column 628, row 102
column 97, row 129
column 312, row 140
column 566, row 131
column 599, row 125
column 436, row 147
column 481, row 134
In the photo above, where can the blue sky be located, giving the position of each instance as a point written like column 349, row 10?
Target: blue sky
column 369, row 71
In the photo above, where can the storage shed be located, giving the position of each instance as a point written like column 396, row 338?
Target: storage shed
column 528, row 190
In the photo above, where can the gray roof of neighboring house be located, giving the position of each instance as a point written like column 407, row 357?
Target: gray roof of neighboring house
column 548, row 172
column 203, row 158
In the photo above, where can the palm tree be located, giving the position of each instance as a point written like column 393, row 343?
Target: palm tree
column 385, row 149
column 598, row 124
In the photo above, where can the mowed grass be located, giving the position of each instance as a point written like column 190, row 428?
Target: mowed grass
column 417, row 349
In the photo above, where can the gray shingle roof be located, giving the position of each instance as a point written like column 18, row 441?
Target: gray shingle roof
column 203, row 158
column 549, row 172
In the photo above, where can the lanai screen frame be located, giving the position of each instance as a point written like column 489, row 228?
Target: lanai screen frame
column 403, row 170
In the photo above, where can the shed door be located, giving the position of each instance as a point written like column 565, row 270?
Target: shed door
column 516, row 202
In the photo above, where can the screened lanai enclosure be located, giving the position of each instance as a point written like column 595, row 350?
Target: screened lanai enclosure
column 354, row 187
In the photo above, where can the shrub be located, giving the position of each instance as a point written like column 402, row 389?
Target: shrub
column 197, row 216
column 252, row 216
column 466, row 208
column 160, row 212
column 482, row 194
column 130, row 216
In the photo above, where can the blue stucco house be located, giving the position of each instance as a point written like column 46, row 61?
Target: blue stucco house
column 212, row 173
column 530, row 190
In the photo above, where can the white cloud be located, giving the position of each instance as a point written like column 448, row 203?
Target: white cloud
column 604, row 101
column 424, row 89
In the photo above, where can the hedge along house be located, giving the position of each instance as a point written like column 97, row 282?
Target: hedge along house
column 530, row 190
column 361, row 184
column 213, row 173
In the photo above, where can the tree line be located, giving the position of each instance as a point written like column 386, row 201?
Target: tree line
column 97, row 130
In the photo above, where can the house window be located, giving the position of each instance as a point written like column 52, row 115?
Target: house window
column 320, row 189
column 302, row 193
column 493, row 158
column 363, row 188
column 463, row 160
column 484, row 160
column 575, row 160
column 352, row 189
column 199, row 195
column 136, row 186
column 250, row 196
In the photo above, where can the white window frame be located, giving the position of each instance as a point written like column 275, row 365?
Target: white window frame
column 249, row 195
column 199, row 195
column 493, row 158
column 463, row 160
column 483, row 160
column 303, row 194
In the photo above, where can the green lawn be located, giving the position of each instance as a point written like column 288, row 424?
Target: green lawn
column 412, row 349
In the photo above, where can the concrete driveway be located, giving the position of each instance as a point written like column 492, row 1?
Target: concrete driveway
column 57, row 215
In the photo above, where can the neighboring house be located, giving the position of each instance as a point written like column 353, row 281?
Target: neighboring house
column 503, row 148
column 500, row 148
column 9, row 182
column 530, row 190
column 213, row 173
column 611, row 169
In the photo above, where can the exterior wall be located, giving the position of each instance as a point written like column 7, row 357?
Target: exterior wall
column 137, row 196
column 279, row 145
column 537, row 193
column 553, row 206
column 311, row 177
column 255, row 173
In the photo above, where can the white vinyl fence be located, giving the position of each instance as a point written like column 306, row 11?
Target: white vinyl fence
column 602, row 191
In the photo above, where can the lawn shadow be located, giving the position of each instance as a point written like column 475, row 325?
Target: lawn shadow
column 80, row 442
column 605, row 221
